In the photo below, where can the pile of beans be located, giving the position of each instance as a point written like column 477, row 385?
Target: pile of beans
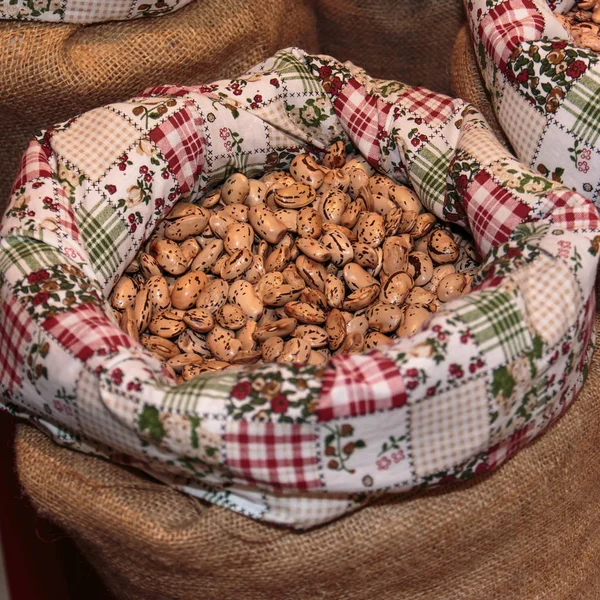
column 583, row 22
column 291, row 267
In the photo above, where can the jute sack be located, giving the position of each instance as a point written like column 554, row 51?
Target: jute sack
column 526, row 531
column 52, row 72
column 393, row 39
column 466, row 81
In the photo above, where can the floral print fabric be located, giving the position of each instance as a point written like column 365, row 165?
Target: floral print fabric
column 544, row 89
column 293, row 445
column 86, row 11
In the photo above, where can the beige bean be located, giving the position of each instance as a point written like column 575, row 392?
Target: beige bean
column 238, row 212
column 180, row 361
column 405, row 198
column 124, row 293
column 335, row 157
column 269, row 282
column 356, row 277
column 163, row 347
column 222, row 344
column 304, row 169
column 328, row 227
column 291, row 276
column 382, row 204
column 266, row 224
column 166, row 324
column 392, row 222
column 277, row 259
column 420, row 268
column 297, row 195
column 395, row 254
column 294, row 351
column 143, row 309
column 353, row 344
column 213, row 296
column 353, row 211
column 148, row 266
column 358, row 179
column 199, row 319
column 332, row 206
column 315, row 336
column 231, row 316
column 246, row 357
column 335, row 291
column 380, row 184
column 361, row 298
column 281, row 295
column 335, row 327
column 314, row 297
column 211, row 199
column 257, row 192
column 236, row 264
column 190, row 248
column 272, row 348
column 128, row 323
column 396, row 288
column 451, row 286
column 183, row 209
column 280, row 328
column 305, row 312
column 370, row 229
column 219, row 223
column 339, row 246
column 158, row 293
column 218, row 266
column 423, row 225
column 314, row 249
column 242, row 293
column 415, row 316
column 256, row 270
column 208, row 256
column 442, row 247
column 375, row 339
column 187, row 288
column 190, row 341
column 313, row 273
column 238, row 236
column 289, row 217
column 168, row 256
column 316, row 357
column 235, row 189
column 187, row 226
column 419, row 295
column 358, row 324
column 384, row 317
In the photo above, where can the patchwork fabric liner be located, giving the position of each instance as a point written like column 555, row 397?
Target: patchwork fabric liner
column 86, row 11
column 545, row 90
column 295, row 445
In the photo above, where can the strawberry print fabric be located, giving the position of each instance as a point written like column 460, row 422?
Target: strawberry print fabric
column 297, row 446
column 544, row 89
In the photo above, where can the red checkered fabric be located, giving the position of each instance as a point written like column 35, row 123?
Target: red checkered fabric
column 34, row 164
column 363, row 116
column 179, row 140
column 66, row 217
column 570, row 213
column 273, row 455
column 15, row 327
column 502, row 451
column 430, row 106
column 86, row 329
column 493, row 211
column 360, row 385
column 508, row 25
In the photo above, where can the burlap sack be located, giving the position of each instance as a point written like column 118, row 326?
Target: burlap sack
column 52, row 72
column 526, row 531
column 393, row 39
column 466, row 81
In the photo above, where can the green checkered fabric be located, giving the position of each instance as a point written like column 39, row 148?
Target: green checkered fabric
column 496, row 322
column 291, row 69
column 185, row 398
column 103, row 233
column 28, row 255
column 428, row 173
column 583, row 102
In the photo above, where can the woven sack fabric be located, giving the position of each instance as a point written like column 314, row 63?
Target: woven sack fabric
column 545, row 90
column 289, row 444
column 393, row 39
column 51, row 72
column 86, row 11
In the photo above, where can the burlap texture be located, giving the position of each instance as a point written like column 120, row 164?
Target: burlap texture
column 402, row 40
column 526, row 531
column 467, row 82
column 52, row 72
